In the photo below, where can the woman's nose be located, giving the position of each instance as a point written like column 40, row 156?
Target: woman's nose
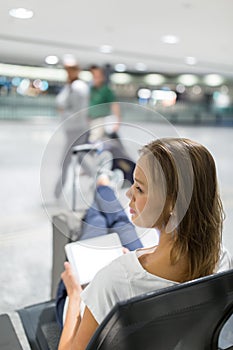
column 129, row 193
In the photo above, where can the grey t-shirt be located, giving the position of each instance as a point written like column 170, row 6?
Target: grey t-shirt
column 73, row 101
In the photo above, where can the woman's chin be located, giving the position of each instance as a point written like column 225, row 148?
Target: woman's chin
column 134, row 218
column 140, row 222
column 137, row 221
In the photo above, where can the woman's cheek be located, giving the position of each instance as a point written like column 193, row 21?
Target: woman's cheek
column 151, row 212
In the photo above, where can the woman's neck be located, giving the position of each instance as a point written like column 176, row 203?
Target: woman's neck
column 165, row 239
column 159, row 262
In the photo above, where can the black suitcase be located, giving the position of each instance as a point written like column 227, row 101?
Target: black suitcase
column 67, row 227
column 121, row 160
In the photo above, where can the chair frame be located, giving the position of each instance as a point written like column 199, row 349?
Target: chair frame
column 179, row 301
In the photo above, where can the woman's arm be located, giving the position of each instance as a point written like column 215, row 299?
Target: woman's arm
column 85, row 331
column 76, row 332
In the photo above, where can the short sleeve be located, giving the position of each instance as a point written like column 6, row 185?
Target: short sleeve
column 103, row 292
column 110, row 95
column 225, row 261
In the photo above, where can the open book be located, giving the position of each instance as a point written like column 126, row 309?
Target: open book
column 88, row 256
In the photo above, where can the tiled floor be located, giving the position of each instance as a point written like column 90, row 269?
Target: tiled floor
column 25, row 227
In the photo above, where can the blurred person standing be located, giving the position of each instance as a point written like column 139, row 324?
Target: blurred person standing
column 103, row 107
column 105, row 118
column 72, row 103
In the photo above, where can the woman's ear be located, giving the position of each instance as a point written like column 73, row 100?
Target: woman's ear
column 172, row 222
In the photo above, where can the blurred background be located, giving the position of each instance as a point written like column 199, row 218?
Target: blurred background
column 173, row 57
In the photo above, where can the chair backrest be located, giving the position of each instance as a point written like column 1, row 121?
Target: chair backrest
column 188, row 316
column 40, row 326
column 8, row 337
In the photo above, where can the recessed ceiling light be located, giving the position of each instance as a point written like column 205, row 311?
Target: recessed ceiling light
column 51, row 59
column 154, row 79
column 21, row 13
column 120, row 78
column 141, row 67
column 190, row 60
column 120, row 67
column 170, row 39
column 188, row 79
column 106, row 49
column 44, row 73
column 213, row 79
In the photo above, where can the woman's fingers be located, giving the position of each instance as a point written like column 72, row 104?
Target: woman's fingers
column 125, row 250
column 70, row 280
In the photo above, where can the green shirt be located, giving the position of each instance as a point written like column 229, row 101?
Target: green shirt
column 100, row 101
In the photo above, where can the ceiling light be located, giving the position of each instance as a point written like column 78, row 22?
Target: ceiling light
column 120, row 67
column 51, row 74
column 21, row 13
column 188, row 79
column 170, row 39
column 51, row 59
column 141, row 67
column 190, row 60
column 106, row 49
column 154, row 79
column 213, row 79
column 120, row 78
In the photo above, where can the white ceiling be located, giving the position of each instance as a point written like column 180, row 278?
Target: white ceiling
column 133, row 28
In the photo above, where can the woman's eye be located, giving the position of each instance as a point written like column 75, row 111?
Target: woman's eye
column 138, row 189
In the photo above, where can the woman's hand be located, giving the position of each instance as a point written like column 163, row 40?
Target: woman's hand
column 73, row 288
column 125, row 250
column 72, row 319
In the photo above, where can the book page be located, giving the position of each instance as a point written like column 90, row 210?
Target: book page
column 87, row 257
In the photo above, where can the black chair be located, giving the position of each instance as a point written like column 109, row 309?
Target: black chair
column 41, row 328
column 191, row 316
column 8, row 337
column 188, row 316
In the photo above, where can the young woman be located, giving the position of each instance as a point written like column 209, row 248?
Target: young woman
column 104, row 216
column 175, row 190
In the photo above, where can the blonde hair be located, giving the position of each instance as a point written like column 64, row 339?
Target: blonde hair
column 192, row 197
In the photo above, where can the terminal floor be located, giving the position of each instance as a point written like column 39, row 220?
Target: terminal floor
column 25, row 226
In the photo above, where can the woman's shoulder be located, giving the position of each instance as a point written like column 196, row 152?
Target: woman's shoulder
column 119, row 267
column 115, row 274
column 109, row 286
